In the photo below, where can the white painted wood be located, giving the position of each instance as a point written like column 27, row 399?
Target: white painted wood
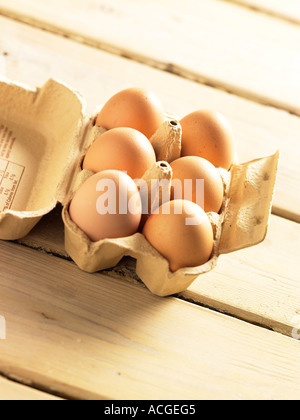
column 259, row 284
column 33, row 56
column 97, row 75
column 287, row 9
column 90, row 337
column 220, row 43
column 97, row 336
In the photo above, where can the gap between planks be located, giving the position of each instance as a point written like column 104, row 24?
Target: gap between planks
column 288, row 10
column 130, row 54
column 69, row 339
column 258, row 285
column 79, row 66
column 125, row 270
column 14, row 389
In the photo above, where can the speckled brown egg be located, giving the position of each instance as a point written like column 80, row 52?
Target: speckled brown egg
column 135, row 108
column 208, row 134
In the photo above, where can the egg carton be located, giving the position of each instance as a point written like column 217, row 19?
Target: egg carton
column 44, row 135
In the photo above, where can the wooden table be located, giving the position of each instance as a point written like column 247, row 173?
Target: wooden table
column 233, row 334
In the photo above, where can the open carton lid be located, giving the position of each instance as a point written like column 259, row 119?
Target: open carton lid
column 40, row 140
column 249, row 204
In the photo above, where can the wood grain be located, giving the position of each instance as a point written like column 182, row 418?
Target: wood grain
column 32, row 56
column 91, row 337
column 259, row 284
column 95, row 336
column 12, row 391
column 288, row 9
column 45, row 55
column 213, row 42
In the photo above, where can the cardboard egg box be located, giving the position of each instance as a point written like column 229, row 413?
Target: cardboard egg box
column 44, row 135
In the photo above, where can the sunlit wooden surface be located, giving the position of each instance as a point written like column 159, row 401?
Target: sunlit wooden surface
column 14, row 391
column 232, row 334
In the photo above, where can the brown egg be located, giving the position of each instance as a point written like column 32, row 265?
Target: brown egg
column 134, row 108
column 107, row 205
column 208, row 134
column 198, row 180
column 182, row 233
column 122, row 149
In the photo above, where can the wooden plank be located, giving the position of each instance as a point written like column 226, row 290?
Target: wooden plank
column 259, row 130
column 258, row 284
column 90, row 337
column 12, row 391
column 248, row 53
column 44, row 55
column 288, row 9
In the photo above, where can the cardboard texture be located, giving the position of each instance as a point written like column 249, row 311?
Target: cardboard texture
column 40, row 135
column 44, row 135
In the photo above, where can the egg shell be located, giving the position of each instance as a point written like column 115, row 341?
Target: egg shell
column 182, row 233
column 134, row 108
column 197, row 179
column 208, row 134
column 107, row 205
column 151, row 267
column 123, row 149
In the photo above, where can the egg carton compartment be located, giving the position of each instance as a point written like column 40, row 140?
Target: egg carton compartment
column 44, row 136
